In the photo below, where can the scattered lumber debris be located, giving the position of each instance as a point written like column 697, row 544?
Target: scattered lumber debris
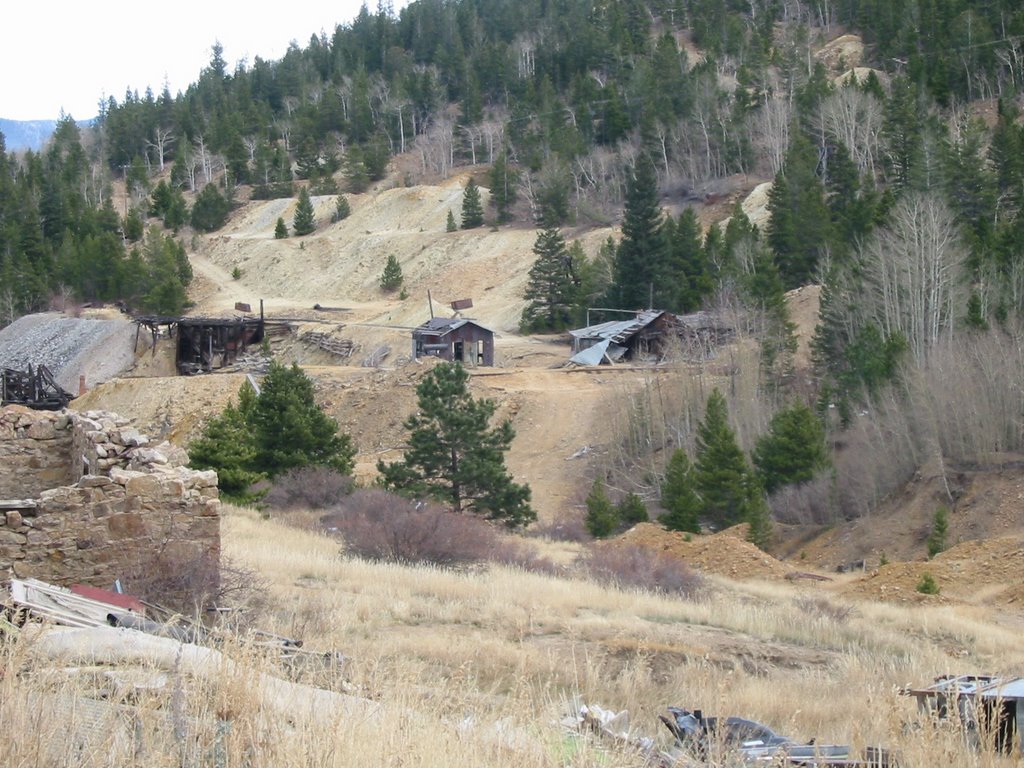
column 36, row 389
column 340, row 347
column 375, row 358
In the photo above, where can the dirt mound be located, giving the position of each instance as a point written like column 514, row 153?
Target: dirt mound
column 173, row 408
column 726, row 553
column 96, row 348
column 989, row 572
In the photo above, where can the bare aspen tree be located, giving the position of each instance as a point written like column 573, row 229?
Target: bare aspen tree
column 771, row 128
column 163, row 140
column 855, row 118
column 915, row 272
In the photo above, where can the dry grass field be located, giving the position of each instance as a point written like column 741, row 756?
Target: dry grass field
column 477, row 668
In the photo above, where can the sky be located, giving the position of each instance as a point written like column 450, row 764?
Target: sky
column 70, row 54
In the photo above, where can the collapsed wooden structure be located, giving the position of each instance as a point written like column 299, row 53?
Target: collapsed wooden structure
column 204, row 344
column 987, row 709
column 36, row 389
column 649, row 335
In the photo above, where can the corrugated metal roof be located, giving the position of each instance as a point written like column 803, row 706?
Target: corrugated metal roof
column 439, row 326
column 619, row 330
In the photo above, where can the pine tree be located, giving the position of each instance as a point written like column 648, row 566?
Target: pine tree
column 551, row 290
column 687, row 279
column 280, row 229
column 632, row 510
column 472, row 208
column 289, row 428
column 793, row 448
column 756, row 513
column 721, row 468
column 226, row 445
column 210, row 210
column 939, row 533
column 641, row 255
column 342, row 209
column 601, row 519
column 391, row 278
column 454, row 456
column 503, row 180
column 304, row 223
column 799, row 230
column 451, row 226
column 678, row 495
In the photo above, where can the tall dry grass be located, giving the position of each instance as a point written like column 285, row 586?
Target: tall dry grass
column 477, row 667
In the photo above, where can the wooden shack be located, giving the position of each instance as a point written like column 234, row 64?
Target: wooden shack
column 455, row 339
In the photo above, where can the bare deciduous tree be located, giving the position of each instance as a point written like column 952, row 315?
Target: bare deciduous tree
column 855, row 118
column 163, row 140
column 915, row 272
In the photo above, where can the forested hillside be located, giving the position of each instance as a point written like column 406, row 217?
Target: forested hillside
column 898, row 177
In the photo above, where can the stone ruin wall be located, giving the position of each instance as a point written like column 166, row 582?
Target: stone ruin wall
column 86, row 499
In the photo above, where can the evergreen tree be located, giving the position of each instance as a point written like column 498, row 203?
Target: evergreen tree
column 793, row 448
column 551, row 290
column 391, row 277
column 601, row 519
column 939, row 533
column 687, row 279
column 472, row 208
column 799, row 230
column 632, row 510
column 678, row 495
column 756, row 512
column 721, row 469
column 450, row 225
column 641, row 255
column 280, row 229
column 289, row 428
column 342, row 210
column 304, row 222
column 210, row 210
column 503, row 180
column 454, row 456
column 226, row 445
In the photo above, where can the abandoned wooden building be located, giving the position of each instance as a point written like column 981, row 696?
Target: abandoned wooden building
column 454, row 339
column 649, row 336
column 204, row 344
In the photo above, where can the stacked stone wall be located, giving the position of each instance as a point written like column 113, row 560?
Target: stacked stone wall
column 125, row 507
column 35, row 451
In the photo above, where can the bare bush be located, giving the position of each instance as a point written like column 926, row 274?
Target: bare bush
column 308, row 488
column 636, row 566
column 821, row 608
column 565, row 525
column 378, row 525
column 809, row 503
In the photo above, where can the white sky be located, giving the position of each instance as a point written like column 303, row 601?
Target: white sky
column 69, row 54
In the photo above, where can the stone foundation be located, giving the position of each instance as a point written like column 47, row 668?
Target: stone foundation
column 122, row 505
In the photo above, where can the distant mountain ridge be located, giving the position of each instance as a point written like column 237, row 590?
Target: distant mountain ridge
column 29, row 134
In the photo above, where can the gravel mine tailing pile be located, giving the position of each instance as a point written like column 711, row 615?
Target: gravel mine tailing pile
column 726, row 553
column 98, row 349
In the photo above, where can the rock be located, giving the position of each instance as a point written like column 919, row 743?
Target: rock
column 143, row 485
column 14, row 519
column 94, row 481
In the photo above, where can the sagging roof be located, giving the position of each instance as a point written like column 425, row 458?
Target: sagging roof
column 441, row 326
column 618, row 331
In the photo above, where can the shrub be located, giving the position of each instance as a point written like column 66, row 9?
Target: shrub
column 565, row 525
column 636, row 566
column 378, row 525
column 927, row 585
column 312, row 487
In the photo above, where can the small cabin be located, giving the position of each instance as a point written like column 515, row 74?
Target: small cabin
column 455, row 339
